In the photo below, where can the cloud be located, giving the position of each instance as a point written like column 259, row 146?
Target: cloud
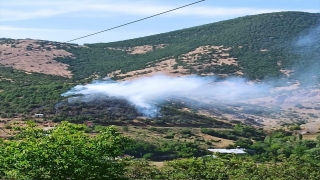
column 14, row 12
column 43, row 9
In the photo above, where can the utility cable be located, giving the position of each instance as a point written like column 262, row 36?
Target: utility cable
column 136, row 21
column 123, row 24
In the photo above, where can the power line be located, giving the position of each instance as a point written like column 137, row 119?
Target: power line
column 136, row 20
column 122, row 25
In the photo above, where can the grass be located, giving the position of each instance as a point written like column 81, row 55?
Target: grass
column 310, row 136
column 149, row 134
column 171, row 134
column 158, row 164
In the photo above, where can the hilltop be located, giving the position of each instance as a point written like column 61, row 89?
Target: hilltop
column 256, row 47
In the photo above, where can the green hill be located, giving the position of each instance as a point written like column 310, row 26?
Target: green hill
column 257, row 47
column 258, row 42
column 282, row 45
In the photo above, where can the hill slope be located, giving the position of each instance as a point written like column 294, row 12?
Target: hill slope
column 257, row 47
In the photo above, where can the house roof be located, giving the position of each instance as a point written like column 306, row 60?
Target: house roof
column 229, row 151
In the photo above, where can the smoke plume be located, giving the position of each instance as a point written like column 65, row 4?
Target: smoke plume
column 307, row 47
column 148, row 92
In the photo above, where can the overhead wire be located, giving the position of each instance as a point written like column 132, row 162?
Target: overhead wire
column 121, row 25
column 136, row 20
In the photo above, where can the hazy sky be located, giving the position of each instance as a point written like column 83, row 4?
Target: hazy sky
column 63, row 20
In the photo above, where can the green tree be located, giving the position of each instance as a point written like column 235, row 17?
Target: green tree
column 227, row 167
column 65, row 152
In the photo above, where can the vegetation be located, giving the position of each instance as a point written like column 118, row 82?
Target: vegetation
column 23, row 93
column 247, row 36
column 237, row 132
column 164, row 151
column 261, row 44
column 281, row 144
column 101, row 109
column 227, row 168
column 66, row 152
column 28, row 93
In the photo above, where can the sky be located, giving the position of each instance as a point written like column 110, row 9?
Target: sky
column 64, row 20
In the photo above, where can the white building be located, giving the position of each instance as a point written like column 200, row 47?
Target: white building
column 229, row 151
column 38, row 115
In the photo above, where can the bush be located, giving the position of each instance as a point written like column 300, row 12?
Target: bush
column 148, row 156
column 295, row 127
column 8, row 126
column 186, row 132
column 125, row 128
column 209, row 143
column 68, row 153
column 169, row 135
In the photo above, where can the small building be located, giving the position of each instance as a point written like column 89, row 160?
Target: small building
column 38, row 115
column 238, row 150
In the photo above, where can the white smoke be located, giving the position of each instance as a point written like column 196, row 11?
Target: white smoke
column 312, row 38
column 307, row 46
column 148, row 92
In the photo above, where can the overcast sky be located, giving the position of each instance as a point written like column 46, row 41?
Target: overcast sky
column 63, row 20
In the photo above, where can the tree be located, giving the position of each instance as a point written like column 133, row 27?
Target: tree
column 226, row 167
column 314, row 155
column 65, row 152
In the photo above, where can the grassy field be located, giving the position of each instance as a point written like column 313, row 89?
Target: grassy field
column 177, row 134
column 149, row 134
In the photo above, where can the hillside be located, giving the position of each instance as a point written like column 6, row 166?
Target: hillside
column 31, row 56
column 250, row 82
column 282, row 46
column 257, row 46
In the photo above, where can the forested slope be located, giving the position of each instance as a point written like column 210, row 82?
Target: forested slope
column 22, row 93
column 259, row 43
column 258, row 46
